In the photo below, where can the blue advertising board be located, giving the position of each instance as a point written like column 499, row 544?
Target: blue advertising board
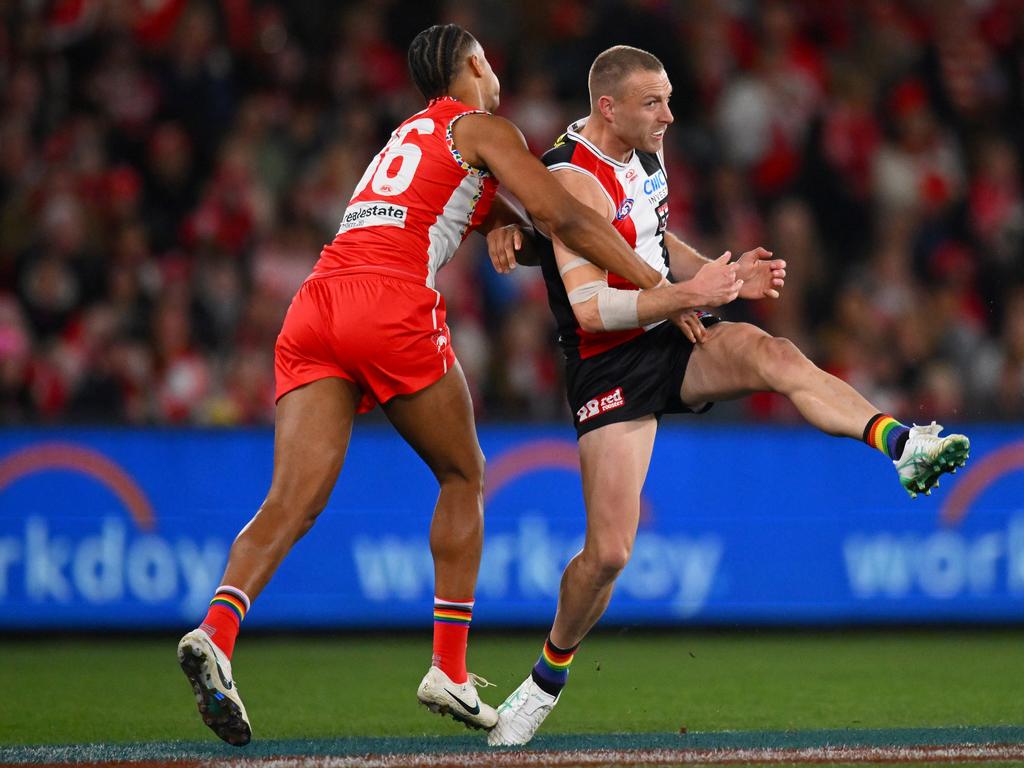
column 740, row 525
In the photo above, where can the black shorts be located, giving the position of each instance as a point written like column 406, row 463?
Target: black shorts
column 638, row 378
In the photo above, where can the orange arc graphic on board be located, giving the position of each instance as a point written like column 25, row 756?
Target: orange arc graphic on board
column 1009, row 458
column 534, row 457
column 48, row 456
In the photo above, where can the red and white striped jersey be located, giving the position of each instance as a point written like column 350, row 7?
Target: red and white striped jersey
column 415, row 203
column 637, row 191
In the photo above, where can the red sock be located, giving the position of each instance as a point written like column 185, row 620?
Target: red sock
column 451, row 634
column 227, row 609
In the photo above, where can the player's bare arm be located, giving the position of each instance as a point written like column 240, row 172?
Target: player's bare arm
column 494, row 143
column 600, row 308
column 762, row 275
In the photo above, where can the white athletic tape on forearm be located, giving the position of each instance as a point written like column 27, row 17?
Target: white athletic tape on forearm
column 579, row 261
column 618, row 309
column 587, row 291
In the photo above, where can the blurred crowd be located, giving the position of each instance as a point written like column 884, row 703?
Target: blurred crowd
column 170, row 169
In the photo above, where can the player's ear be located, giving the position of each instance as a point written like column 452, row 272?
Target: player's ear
column 476, row 64
column 606, row 105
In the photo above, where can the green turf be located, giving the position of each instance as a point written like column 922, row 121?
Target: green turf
column 117, row 690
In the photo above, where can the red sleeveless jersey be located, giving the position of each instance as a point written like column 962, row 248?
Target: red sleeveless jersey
column 415, row 203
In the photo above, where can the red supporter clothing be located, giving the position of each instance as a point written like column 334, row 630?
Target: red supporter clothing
column 369, row 312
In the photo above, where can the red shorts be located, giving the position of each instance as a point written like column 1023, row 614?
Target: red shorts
column 386, row 335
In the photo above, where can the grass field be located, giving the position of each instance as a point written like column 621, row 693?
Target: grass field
column 113, row 689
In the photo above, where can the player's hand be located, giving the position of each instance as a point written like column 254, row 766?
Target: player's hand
column 502, row 244
column 763, row 277
column 688, row 321
column 717, row 282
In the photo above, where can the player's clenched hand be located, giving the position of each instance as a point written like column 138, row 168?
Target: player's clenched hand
column 717, row 282
column 688, row 321
column 763, row 276
column 502, row 244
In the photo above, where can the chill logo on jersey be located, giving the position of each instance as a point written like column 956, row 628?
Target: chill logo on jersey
column 373, row 214
column 624, row 209
column 609, row 401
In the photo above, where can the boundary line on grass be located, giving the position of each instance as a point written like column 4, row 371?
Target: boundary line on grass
column 870, row 746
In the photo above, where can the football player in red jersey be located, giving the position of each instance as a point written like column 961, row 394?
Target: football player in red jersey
column 368, row 327
column 626, row 366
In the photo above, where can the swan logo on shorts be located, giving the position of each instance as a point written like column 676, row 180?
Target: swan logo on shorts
column 624, row 209
column 609, row 401
column 440, row 339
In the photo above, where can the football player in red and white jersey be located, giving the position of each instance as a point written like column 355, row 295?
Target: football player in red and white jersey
column 368, row 327
column 626, row 365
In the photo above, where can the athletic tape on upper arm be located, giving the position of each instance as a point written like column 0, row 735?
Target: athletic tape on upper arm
column 579, row 261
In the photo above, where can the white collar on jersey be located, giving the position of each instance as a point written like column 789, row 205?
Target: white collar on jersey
column 573, row 132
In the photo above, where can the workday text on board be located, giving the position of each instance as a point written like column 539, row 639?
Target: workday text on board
column 130, row 529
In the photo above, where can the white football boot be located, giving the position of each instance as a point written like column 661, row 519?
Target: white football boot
column 439, row 694
column 209, row 672
column 926, row 457
column 521, row 714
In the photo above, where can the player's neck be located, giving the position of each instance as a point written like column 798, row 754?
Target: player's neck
column 467, row 93
column 597, row 132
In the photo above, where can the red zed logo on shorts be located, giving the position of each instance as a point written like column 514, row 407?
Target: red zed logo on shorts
column 609, row 401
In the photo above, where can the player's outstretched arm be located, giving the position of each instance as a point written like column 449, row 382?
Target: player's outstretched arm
column 496, row 144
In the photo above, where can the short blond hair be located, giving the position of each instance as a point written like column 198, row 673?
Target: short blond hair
column 611, row 67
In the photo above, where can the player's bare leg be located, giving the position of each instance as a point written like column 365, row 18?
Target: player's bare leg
column 614, row 461
column 438, row 423
column 312, row 428
column 737, row 359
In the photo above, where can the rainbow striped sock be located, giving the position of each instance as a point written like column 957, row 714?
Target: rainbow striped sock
column 551, row 672
column 887, row 435
column 224, row 617
column 451, row 635
column 450, row 612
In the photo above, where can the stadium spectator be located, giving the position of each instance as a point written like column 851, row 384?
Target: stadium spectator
column 191, row 131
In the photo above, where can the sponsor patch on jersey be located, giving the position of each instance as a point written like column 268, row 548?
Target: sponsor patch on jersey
column 624, row 209
column 609, row 401
column 662, row 217
column 655, row 183
column 373, row 214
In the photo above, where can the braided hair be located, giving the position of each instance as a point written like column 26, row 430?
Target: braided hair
column 434, row 56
